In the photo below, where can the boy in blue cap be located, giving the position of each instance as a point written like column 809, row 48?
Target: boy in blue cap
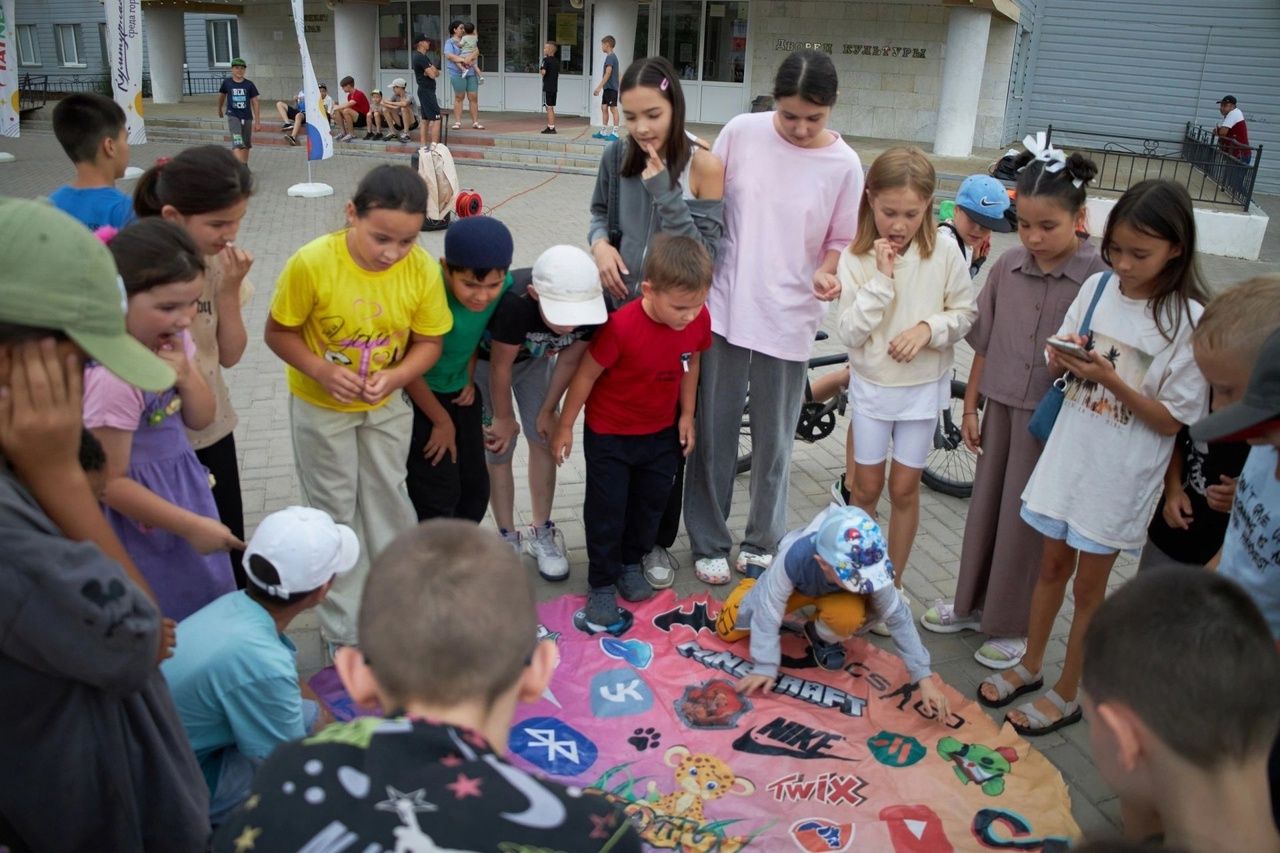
column 447, row 475
column 982, row 206
column 839, row 564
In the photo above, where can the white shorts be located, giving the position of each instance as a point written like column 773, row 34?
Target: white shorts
column 912, row 440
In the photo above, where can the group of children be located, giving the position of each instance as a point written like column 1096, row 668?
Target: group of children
column 402, row 372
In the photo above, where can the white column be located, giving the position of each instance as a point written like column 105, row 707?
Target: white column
column 165, row 41
column 355, row 26
column 967, row 33
column 615, row 18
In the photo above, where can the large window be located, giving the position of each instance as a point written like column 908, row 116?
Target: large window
column 523, row 47
column 725, row 43
column 565, row 27
column 67, row 38
column 224, row 42
column 681, row 21
column 393, row 37
column 28, row 45
column 424, row 18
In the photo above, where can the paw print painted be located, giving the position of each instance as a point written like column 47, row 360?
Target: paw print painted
column 646, row 738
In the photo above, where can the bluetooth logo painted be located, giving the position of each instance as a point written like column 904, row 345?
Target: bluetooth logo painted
column 553, row 746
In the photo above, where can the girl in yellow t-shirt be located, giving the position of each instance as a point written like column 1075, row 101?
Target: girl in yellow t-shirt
column 356, row 315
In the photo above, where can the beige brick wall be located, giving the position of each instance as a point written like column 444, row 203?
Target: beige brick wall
column 889, row 96
column 269, row 45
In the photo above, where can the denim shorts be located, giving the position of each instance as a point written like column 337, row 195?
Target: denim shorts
column 469, row 84
column 1055, row 529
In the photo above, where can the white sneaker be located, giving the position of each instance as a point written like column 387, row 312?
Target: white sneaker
column 659, row 567
column 546, row 544
column 712, row 570
column 746, row 558
column 512, row 538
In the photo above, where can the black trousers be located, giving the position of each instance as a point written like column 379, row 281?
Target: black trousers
column 450, row 489
column 669, row 525
column 220, row 459
column 629, row 479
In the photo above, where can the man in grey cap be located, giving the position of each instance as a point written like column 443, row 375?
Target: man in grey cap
column 94, row 754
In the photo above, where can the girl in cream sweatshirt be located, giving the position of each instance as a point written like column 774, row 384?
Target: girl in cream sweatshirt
column 905, row 301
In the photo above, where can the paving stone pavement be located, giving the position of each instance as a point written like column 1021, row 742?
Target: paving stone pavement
column 544, row 209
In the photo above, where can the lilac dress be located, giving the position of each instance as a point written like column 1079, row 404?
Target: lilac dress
column 161, row 459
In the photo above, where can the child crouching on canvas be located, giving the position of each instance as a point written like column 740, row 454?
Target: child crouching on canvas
column 839, row 564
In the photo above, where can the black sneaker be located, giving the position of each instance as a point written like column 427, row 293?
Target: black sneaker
column 291, row 139
column 370, row 135
column 632, row 584
column 548, row 129
column 830, row 656
column 840, row 493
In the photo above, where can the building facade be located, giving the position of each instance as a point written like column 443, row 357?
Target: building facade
column 65, row 41
column 952, row 74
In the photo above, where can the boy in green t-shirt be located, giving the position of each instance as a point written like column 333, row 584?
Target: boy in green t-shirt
column 447, row 475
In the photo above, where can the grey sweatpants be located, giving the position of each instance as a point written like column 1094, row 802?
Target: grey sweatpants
column 777, row 390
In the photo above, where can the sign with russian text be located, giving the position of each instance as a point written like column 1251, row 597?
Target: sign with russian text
column 124, row 60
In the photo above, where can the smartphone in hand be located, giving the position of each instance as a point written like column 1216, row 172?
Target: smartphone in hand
column 1069, row 347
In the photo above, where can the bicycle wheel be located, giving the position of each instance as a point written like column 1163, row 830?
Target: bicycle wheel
column 744, row 441
column 950, row 466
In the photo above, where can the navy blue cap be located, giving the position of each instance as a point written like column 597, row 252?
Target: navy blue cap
column 478, row 243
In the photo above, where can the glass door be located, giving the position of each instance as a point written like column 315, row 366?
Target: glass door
column 488, row 20
column 706, row 41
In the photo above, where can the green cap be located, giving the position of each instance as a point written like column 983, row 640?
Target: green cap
column 55, row 274
column 240, row 62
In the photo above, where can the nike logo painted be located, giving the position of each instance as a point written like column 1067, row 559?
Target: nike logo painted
column 790, row 739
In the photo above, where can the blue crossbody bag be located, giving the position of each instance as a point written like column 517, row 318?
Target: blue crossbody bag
column 1046, row 413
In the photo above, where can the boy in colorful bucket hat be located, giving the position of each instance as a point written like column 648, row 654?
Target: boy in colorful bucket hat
column 839, row 564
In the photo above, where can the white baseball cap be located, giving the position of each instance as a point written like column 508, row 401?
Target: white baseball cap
column 399, row 81
column 306, row 548
column 568, row 286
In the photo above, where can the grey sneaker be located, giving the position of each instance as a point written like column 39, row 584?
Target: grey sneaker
column 513, row 538
column 546, row 544
column 632, row 586
column 659, row 567
column 602, row 606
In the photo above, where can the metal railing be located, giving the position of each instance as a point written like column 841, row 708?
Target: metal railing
column 37, row 89
column 1231, row 166
column 1197, row 161
column 33, row 92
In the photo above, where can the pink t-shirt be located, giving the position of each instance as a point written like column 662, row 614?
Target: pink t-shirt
column 111, row 402
column 784, row 208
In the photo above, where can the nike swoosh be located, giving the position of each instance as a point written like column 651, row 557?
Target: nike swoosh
column 983, row 201
column 745, row 743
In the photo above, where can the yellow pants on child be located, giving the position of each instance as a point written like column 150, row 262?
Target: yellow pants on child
column 842, row 613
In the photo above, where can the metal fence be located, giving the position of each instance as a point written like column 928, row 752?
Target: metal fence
column 36, row 90
column 1197, row 161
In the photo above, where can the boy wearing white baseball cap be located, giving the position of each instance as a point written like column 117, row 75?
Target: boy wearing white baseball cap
column 534, row 342
column 234, row 676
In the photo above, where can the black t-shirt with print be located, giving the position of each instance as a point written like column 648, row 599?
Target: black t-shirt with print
column 518, row 322
column 550, row 80
column 401, row 784
column 1201, row 468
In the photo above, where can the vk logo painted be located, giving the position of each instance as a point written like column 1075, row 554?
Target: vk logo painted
column 553, row 746
column 619, row 693
column 638, row 653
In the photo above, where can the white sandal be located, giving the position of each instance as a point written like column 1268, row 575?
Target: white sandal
column 1006, row 690
column 1043, row 725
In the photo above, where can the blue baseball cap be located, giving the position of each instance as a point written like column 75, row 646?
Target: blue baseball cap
column 984, row 199
column 853, row 545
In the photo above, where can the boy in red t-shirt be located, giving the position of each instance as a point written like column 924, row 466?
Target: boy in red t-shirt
column 352, row 114
column 641, row 366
